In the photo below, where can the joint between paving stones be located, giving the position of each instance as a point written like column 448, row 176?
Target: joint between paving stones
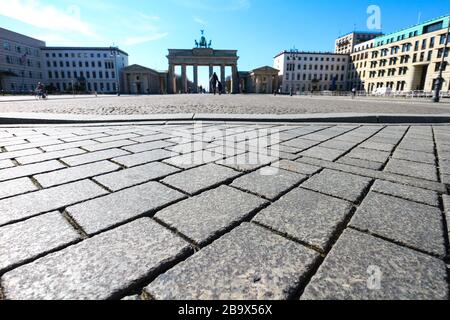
column 399, row 243
column 74, row 224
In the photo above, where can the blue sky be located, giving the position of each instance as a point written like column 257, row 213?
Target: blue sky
column 259, row 29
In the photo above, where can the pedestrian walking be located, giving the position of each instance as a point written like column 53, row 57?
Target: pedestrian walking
column 353, row 93
column 220, row 87
column 213, row 81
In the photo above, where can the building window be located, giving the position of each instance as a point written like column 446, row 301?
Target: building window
column 432, row 42
column 433, row 27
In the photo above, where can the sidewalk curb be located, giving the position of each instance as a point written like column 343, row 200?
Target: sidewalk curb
column 40, row 118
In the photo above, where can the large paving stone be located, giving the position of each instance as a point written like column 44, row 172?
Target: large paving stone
column 301, row 143
column 201, row 178
column 323, row 153
column 417, row 145
column 295, row 166
column 75, row 173
column 361, row 163
column 248, row 161
column 412, row 224
column 70, row 145
column 149, row 146
column 119, row 207
column 362, row 267
column 24, row 241
column 416, row 156
column 205, row 217
column 49, row 156
column 94, row 157
column 108, row 145
column 194, row 159
column 268, row 182
column 369, row 154
column 370, row 144
column 407, row 192
column 98, row 268
column 30, row 145
column 130, row 177
column 29, row 169
column 34, row 203
column 250, row 263
column 116, row 137
column 307, row 216
column 20, row 153
column 338, row 184
column 15, row 187
column 339, row 145
column 412, row 169
column 446, row 199
column 6, row 164
column 143, row 157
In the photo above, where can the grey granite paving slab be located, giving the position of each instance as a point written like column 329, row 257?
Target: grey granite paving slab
column 412, row 224
column 362, row 267
column 339, row 184
column 250, row 263
column 119, row 207
column 24, row 241
column 149, row 146
column 55, row 178
column 98, row 268
column 108, row 145
column 323, row 153
column 339, row 145
column 269, row 182
column 361, row 163
column 130, row 177
column 412, row 169
column 301, row 143
column 50, row 156
column 201, row 178
column 307, row 216
column 416, row 156
column 20, row 153
column 93, row 157
column 446, row 200
column 34, row 203
column 30, row 145
column 444, row 166
column 6, row 164
column 117, row 137
column 69, row 145
column 15, row 187
column 369, row 154
column 29, row 170
column 297, row 167
column 204, row 217
column 248, row 161
column 407, row 192
column 370, row 144
column 143, row 157
column 417, row 145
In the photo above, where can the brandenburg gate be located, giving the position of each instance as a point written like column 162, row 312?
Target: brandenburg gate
column 201, row 55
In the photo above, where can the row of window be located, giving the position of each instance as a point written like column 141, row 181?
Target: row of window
column 80, row 64
column 304, row 77
column 22, row 61
column 80, row 74
column 20, row 49
column 309, row 87
column 291, row 67
column 77, row 55
column 315, row 59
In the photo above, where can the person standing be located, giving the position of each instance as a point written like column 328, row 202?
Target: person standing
column 353, row 93
column 220, row 87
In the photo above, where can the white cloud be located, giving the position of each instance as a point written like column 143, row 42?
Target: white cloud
column 47, row 17
column 132, row 41
column 200, row 21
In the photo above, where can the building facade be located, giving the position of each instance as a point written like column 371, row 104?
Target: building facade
column 137, row 79
column 20, row 62
column 311, row 71
column 346, row 43
column 83, row 69
column 262, row 80
column 406, row 60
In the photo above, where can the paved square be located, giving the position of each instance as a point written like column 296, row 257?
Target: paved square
column 90, row 211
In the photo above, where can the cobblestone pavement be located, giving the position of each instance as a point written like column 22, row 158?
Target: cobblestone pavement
column 247, row 211
column 236, row 104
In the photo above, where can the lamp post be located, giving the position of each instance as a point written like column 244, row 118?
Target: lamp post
column 439, row 80
column 115, row 53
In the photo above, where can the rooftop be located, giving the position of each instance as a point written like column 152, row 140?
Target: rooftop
column 83, row 48
column 310, row 52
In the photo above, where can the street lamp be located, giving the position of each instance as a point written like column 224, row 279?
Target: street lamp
column 439, row 80
column 116, row 53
